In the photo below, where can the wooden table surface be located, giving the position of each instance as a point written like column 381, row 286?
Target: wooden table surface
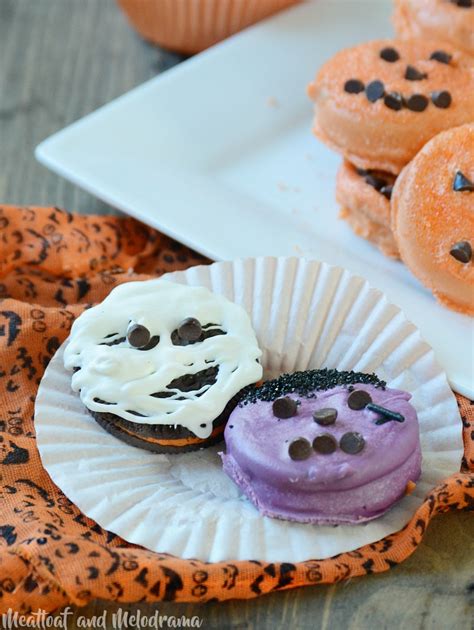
column 59, row 60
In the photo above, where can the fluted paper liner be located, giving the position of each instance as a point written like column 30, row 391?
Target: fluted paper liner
column 306, row 315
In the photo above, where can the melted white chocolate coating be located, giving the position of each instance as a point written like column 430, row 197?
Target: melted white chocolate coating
column 126, row 377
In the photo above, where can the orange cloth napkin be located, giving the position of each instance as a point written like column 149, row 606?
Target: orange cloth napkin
column 52, row 265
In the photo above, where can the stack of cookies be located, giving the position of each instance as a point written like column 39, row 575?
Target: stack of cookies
column 378, row 104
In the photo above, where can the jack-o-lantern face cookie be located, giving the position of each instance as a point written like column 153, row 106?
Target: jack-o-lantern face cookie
column 364, row 197
column 380, row 102
column 448, row 20
column 160, row 365
column 433, row 217
column 323, row 446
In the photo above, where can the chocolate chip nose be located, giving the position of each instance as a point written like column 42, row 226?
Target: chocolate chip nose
column 413, row 74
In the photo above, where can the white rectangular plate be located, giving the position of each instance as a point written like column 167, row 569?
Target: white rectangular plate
column 218, row 153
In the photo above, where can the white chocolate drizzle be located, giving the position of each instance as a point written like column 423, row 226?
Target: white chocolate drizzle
column 120, row 379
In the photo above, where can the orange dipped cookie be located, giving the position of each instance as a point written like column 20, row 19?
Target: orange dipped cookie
column 378, row 103
column 364, row 197
column 450, row 20
column 433, row 217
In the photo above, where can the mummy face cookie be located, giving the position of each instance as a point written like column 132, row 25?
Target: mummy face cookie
column 323, row 447
column 160, row 365
column 449, row 20
column 364, row 197
column 378, row 103
column 433, row 217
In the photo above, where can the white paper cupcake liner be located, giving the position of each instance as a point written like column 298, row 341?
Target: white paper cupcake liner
column 306, row 315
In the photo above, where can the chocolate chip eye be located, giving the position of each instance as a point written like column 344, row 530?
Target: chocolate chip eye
column 188, row 336
column 299, row 449
column 190, row 329
column 138, row 336
column 441, row 56
column 389, row 54
column 284, row 407
column 462, row 184
column 352, row 443
column 461, row 251
column 324, row 444
column 325, row 416
column 353, row 86
column 358, row 399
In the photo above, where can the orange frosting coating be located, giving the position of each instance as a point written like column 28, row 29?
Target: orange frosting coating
column 372, row 135
column 429, row 217
column 365, row 209
column 435, row 19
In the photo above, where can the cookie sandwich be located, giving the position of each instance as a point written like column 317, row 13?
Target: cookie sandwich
column 323, row 446
column 161, row 365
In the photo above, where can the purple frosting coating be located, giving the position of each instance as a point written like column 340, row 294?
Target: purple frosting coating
column 324, row 488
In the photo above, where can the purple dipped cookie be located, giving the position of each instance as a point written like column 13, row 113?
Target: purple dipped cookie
column 323, row 446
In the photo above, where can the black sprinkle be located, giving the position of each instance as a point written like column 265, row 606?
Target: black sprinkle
column 306, row 383
column 462, row 184
column 394, row 101
column 441, row 99
column 441, row 56
column 374, row 91
column 354, row 86
column 389, row 54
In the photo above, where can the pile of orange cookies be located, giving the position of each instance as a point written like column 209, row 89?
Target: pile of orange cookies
column 401, row 113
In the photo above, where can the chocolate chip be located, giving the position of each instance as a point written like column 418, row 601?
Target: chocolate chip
column 441, row 99
column 299, row 449
column 138, row 336
column 394, row 101
column 417, row 103
column 352, row 443
column 462, row 184
column 387, row 191
column 325, row 416
column 284, row 407
column 358, row 399
column 375, row 182
column 353, row 86
column 413, row 74
column 190, row 329
column 461, row 251
column 374, row 91
column 441, row 56
column 361, row 171
column 463, row 4
column 389, row 54
column 324, row 444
